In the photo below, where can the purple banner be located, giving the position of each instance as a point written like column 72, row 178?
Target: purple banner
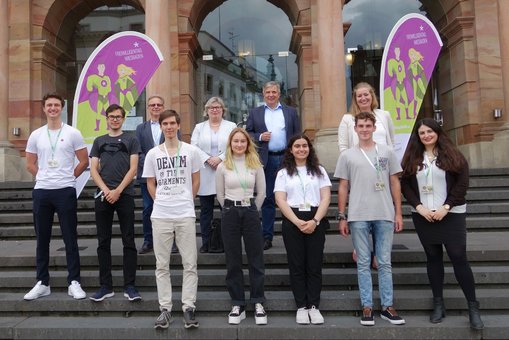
column 409, row 58
column 116, row 72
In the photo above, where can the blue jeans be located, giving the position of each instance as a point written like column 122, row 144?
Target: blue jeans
column 148, row 203
column 383, row 232
column 269, row 204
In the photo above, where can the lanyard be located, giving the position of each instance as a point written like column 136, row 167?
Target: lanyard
column 374, row 166
column 243, row 183
column 54, row 145
column 177, row 160
column 429, row 170
column 302, row 186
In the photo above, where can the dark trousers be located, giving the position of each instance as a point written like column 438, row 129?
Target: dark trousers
column 64, row 203
column 104, row 219
column 206, row 215
column 269, row 204
column 305, row 257
column 148, row 203
column 237, row 223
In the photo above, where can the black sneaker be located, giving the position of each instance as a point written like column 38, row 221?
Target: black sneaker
column 189, row 319
column 392, row 316
column 367, row 318
column 236, row 315
column 101, row 294
column 164, row 320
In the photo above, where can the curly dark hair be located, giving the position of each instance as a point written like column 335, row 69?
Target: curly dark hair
column 449, row 158
column 312, row 164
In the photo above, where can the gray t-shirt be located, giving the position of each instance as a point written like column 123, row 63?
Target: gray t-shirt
column 114, row 155
column 365, row 203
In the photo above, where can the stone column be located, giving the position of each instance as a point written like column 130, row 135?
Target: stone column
column 9, row 156
column 501, row 139
column 331, row 70
column 161, row 25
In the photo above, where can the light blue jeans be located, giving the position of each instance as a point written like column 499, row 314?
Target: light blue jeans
column 383, row 232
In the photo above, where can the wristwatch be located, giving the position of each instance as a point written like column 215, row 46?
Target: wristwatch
column 447, row 207
column 341, row 216
column 316, row 221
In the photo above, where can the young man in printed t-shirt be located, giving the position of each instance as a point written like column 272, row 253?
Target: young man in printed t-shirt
column 172, row 170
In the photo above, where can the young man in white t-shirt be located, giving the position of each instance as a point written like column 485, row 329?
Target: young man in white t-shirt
column 369, row 181
column 172, row 170
column 50, row 157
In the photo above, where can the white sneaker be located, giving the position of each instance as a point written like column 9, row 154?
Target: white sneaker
column 75, row 291
column 315, row 316
column 260, row 315
column 236, row 315
column 302, row 317
column 38, row 291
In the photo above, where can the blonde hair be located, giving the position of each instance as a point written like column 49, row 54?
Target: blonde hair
column 211, row 101
column 252, row 158
column 354, row 108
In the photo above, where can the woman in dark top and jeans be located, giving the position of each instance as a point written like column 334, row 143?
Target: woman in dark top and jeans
column 435, row 182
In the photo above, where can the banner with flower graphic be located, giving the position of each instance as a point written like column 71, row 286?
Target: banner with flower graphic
column 408, row 61
column 116, row 72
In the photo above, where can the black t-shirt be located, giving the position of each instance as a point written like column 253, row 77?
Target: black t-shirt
column 114, row 155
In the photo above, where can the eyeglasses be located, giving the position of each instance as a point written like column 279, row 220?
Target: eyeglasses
column 155, row 105
column 215, row 108
column 115, row 117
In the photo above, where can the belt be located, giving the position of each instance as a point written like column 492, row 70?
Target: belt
column 243, row 203
column 277, row 153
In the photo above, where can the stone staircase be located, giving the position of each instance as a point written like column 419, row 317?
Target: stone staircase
column 60, row 317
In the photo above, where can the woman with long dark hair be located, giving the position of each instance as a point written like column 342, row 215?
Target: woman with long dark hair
column 435, row 182
column 302, row 192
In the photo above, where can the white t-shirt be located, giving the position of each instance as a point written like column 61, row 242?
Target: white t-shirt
column 302, row 187
column 55, row 158
column 174, row 185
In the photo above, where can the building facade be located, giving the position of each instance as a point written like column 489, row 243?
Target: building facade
column 38, row 54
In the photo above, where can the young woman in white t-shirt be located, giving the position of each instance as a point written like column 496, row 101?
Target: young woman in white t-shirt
column 302, row 192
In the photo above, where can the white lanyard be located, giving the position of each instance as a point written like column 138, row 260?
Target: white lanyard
column 375, row 166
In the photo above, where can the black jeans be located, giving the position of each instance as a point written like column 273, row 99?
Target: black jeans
column 104, row 219
column 305, row 257
column 64, row 203
column 237, row 223
column 206, row 215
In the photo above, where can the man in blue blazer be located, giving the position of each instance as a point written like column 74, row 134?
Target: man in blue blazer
column 148, row 135
column 271, row 125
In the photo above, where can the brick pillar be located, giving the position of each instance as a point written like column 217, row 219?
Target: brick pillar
column 331, row 70
column 9, row 156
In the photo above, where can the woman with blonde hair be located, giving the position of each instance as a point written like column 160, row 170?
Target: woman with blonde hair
column 237, row 177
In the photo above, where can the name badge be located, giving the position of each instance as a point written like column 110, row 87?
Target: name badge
column 53, row 163
column 305, row 207
column 379, row 186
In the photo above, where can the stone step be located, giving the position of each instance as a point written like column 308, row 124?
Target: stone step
column 216, row 327
column 339, row 302
column 275, row 278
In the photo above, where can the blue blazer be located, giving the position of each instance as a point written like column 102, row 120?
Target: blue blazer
column 256, row 125
column 144, row 135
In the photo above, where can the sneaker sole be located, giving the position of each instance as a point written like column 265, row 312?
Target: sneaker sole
column 105, row 296
column 261, row 320
column 161, row 326
column 77, row 297
column 137, row 298
column 191, row 325
column 321, row 322
column 394, row 322
column 35, row 298
column 235, row 320
column 368, row 323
